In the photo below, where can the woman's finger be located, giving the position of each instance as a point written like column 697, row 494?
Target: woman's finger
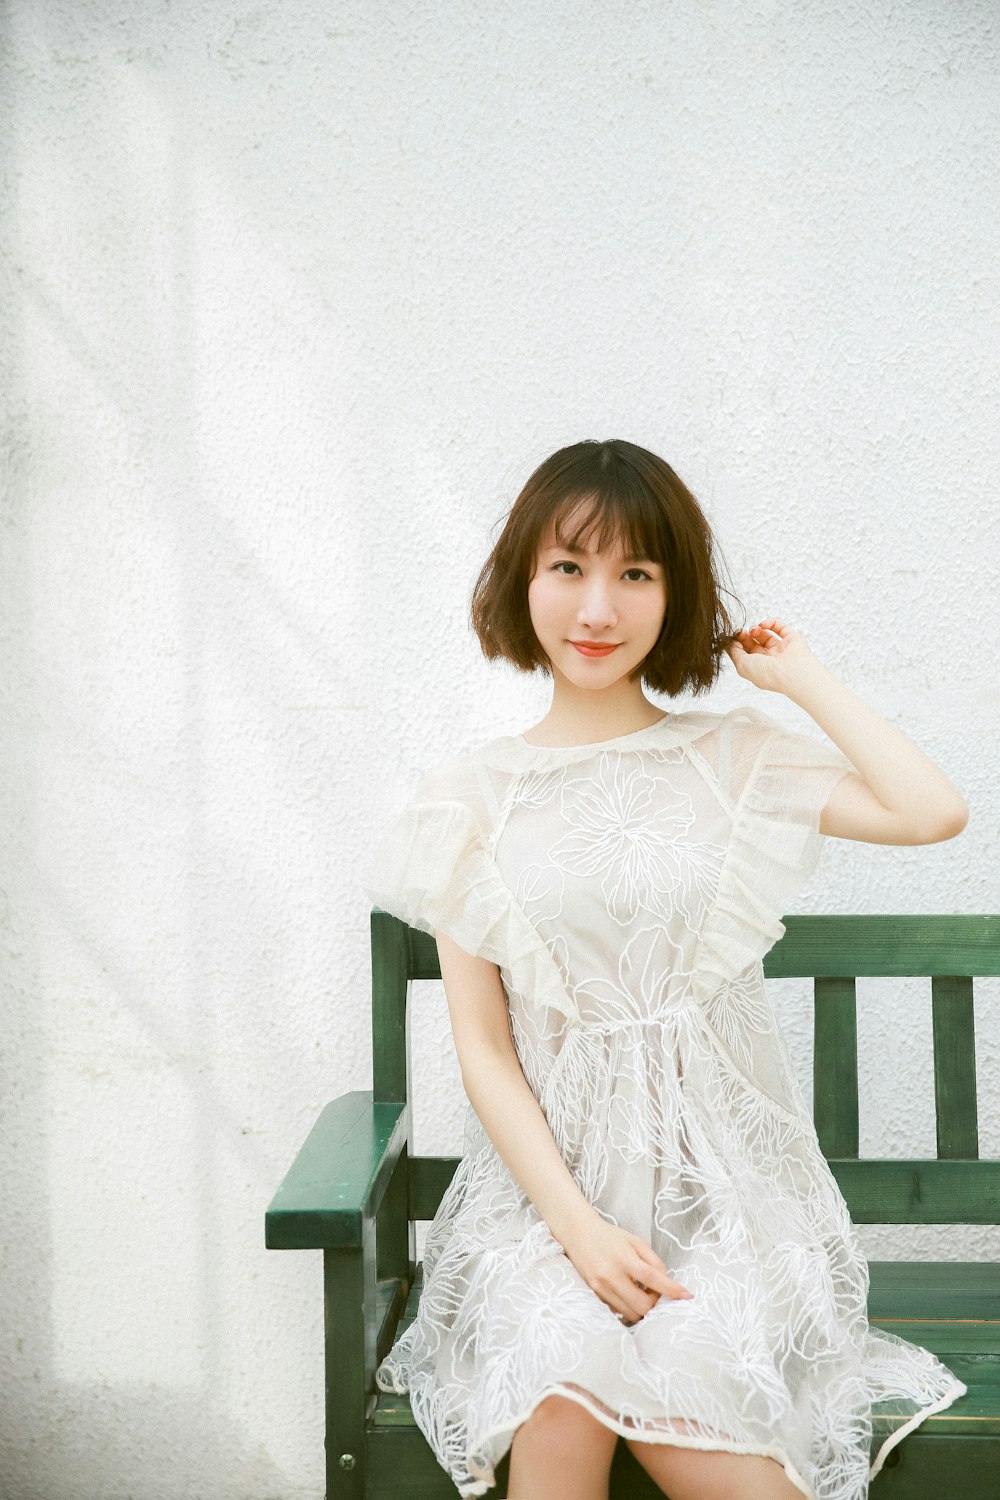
column 645, row 1274
column 654, row 1274
column 665, row 1285
column 634, row 1307
column 638, row 1302
column 649, row 1265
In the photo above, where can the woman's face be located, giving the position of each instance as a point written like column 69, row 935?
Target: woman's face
column 584, row 596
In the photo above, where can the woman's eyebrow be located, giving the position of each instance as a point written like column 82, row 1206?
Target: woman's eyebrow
column 579, row 552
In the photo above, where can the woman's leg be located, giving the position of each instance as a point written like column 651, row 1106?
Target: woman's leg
column 560, row 1453
column 702, row 1474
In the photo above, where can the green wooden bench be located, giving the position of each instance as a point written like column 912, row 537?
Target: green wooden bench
column 354, row 1192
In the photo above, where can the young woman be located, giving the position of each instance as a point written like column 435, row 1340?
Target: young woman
column 643, row 1239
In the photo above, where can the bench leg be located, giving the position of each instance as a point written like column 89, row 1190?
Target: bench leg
column 349, row 1340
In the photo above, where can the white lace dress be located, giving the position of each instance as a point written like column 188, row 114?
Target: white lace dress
column 628, row 891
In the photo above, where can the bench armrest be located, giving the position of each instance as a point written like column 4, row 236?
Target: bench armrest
column 339, row 1177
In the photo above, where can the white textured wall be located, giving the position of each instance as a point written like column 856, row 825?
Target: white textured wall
column 295, row 297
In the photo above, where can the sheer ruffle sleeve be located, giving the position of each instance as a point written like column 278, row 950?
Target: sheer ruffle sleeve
column 778, row 782
column 432, row 867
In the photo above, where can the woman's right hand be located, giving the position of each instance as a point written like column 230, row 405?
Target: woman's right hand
column 621, row 1268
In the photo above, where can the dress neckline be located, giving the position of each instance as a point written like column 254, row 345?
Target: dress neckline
column 617, row 739
column 513, row 753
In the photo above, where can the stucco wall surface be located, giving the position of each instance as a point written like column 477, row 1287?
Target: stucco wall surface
column 295, row 297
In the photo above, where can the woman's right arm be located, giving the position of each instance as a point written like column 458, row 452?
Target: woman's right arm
column 610, row 1259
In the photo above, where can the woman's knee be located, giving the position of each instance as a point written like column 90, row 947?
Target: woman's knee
column 713, row 1472
column 562, row 1420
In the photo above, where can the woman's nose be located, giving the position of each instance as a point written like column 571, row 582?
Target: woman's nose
column 597, row 608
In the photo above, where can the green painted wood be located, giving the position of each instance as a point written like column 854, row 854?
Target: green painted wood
column 429, row 1177
column 930, row 1466
column 877, row 1191
column 391, row 970
column 920, row 1192
column 934, row 1289
column 413, row 1299
column 973, row 1339
column 349, row 1305
column 395, row 1231
column 878, row 944
column 401, row 1466
column 954, row 1066
column 337, row 1181
column 846, row 944
column 409, row 1311
column 425, row 962
column 835, row 1066
column 390, row 1306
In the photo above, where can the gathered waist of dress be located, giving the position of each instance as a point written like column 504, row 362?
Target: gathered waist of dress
column 677, row 1010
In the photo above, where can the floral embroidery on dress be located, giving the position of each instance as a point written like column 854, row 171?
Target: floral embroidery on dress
column 535, row 788
column 628, row 827
column 648, row 978
column 540, row 888
column 737, row 1009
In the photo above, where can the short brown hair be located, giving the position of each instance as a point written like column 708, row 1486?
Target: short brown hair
column 638, row 501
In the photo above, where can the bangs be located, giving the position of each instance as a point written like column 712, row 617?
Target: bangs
column 618, row 513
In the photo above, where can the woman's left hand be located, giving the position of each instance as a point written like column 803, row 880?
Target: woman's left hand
column 770, row 655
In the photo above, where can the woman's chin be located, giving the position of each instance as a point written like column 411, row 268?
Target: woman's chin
column 583, row 676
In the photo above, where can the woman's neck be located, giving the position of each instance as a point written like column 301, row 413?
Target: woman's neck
column 580, row 716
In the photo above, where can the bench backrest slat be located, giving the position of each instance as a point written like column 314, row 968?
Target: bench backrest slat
column 886, row 945
column 835, row 1065
column 920, row 1192
column 954, row 1066
column 392, row 969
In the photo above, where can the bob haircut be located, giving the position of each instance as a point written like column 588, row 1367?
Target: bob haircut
column 636, row 500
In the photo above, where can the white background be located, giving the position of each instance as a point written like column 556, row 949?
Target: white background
column 295, row 297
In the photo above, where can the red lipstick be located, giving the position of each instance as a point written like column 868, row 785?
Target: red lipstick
column 596, row 648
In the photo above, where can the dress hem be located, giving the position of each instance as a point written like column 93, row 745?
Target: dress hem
column 485, row 1482
column 906, row 1427
column 678, row 1440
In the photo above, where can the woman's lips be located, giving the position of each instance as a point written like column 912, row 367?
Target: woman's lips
column 586, row 650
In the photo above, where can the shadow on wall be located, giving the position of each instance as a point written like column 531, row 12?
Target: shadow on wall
column 90, row 1123
column 108, row 1442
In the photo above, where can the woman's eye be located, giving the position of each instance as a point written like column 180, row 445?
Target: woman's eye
column 564, row 566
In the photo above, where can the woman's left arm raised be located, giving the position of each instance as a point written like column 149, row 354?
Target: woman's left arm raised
column 899, row 795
